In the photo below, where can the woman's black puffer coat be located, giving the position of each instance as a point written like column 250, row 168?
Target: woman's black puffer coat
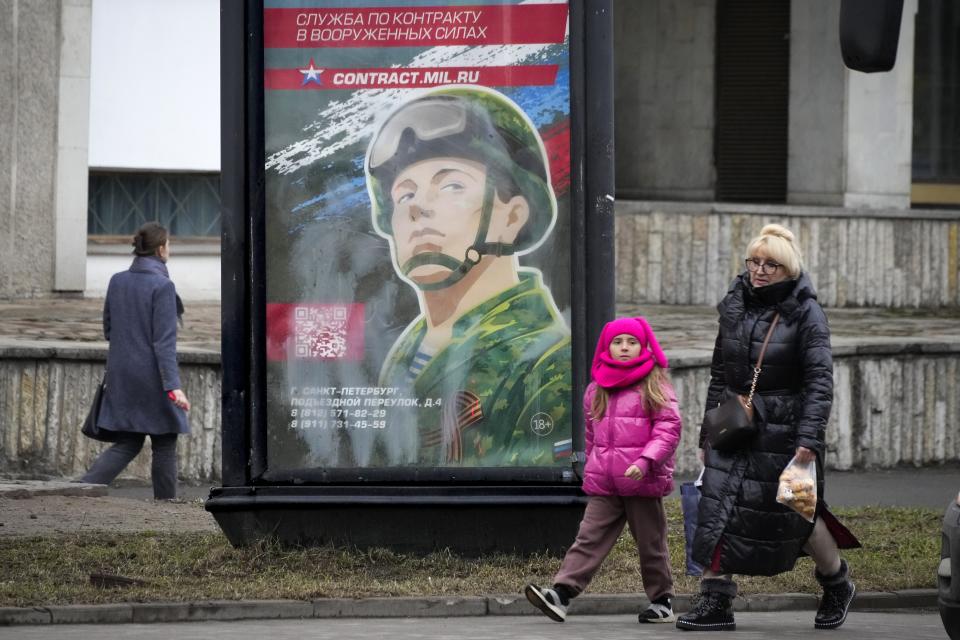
column 738, row 508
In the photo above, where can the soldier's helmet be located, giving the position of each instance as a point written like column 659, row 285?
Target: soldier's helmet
column 470, row 122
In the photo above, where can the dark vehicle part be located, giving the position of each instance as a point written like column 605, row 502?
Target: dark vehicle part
column 869, row 32
column 948, row 574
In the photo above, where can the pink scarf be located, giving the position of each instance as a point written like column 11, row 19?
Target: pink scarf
column 610, row 373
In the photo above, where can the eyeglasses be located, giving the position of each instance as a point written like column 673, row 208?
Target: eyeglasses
column 766, row 268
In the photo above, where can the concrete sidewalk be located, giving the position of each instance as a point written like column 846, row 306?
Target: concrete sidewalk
column 915, row 625
column 80, row 320
column 932, row 487
column 424, row 607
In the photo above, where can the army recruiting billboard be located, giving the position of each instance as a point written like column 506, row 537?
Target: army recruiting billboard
column 417, row 186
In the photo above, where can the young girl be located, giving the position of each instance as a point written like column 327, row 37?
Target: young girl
column 632, row 431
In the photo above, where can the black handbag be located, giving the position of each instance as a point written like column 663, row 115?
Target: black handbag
column 731, row 424
column 90, row 428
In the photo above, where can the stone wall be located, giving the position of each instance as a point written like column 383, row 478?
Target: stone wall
column 687, row 253
column 45, row 393
column 896, row 402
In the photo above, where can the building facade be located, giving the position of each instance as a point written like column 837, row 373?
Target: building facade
column 747, row 101
column 109, row 116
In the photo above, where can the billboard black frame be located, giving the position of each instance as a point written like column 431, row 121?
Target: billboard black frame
column 244, row 428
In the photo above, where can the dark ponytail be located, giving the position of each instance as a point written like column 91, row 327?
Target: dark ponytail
column 149, row 237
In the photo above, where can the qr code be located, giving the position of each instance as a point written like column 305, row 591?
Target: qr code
column 321, row 331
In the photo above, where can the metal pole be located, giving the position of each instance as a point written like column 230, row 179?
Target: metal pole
column 599, row 177
column 233, row 243
column 578, row 225
column 257, row 241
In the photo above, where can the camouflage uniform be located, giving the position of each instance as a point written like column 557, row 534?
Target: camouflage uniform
column 503, row 381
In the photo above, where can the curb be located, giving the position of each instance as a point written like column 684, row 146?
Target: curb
column 25, row 489
column 428, row 607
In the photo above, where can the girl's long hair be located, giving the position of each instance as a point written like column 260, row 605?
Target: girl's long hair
column 652, row 389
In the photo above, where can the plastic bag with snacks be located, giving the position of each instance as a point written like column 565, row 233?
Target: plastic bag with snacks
column 798, row 488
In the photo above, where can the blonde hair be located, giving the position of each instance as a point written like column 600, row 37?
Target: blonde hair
column 778, row 243
column 652, row 388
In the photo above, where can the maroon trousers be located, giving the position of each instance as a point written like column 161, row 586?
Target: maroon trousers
column 602, row 524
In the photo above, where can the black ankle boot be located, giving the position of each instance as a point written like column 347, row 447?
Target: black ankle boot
column 713, row 608
column 838, row 592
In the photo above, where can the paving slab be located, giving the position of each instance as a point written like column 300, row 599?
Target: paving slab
column 679, row 327
column 80, row 320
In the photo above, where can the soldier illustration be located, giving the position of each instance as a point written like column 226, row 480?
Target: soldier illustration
column 460, row 187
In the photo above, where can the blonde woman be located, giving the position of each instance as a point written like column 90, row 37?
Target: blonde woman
column 742, row 529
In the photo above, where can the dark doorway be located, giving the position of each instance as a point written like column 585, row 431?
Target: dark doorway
column 752, row 100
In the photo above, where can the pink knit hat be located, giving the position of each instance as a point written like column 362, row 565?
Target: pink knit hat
column 611, row 373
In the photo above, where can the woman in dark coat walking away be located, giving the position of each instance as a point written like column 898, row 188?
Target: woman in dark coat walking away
column 742, row 528
column 142, row 395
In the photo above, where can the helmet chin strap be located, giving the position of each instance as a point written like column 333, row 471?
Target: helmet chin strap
column 480, row 247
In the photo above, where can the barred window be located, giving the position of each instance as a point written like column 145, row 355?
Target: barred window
column 187, row 204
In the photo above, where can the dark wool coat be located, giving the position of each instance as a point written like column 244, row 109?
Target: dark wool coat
column 140, row 322
column 738, row 507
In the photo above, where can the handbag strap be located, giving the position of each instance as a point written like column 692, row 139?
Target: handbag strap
column 763, row 352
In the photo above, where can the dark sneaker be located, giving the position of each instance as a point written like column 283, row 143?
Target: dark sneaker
column 838, row 592
column 711, row 612
column 834, row 605
column 658, row 611
column 547, row 601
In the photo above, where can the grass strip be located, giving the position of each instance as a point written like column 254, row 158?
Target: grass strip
column 901, row 551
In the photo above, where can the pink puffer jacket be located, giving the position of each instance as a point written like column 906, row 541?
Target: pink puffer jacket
column 622, row 437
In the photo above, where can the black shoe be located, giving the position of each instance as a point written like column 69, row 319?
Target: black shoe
column 838, row 593
column 548, row 601
column 712, row 611
column 658, row 611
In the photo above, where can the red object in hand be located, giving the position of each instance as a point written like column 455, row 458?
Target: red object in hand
column 171, row 396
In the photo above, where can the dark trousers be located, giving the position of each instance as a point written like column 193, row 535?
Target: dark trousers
column 602, row 523
column 163, row 470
